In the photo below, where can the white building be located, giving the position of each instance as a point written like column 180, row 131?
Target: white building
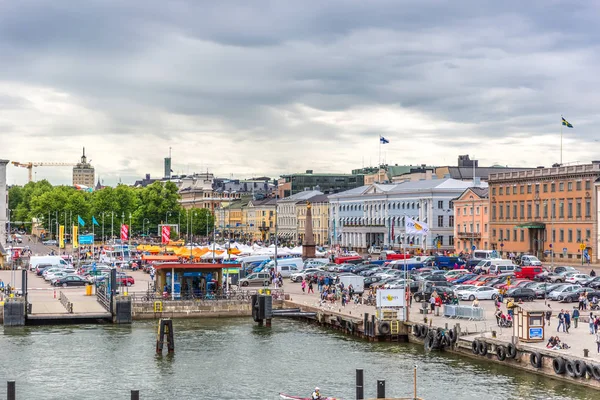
column 3, row 203
column 374, row 215
column 287, row 214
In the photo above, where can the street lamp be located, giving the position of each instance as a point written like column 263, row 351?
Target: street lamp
column 143, row 226
column 167, row 215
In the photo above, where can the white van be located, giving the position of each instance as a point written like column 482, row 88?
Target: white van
column 503, row 268
column 295, row 262
column 52, row 260
column 357, row 282
column 483, row 254
column 485, row 265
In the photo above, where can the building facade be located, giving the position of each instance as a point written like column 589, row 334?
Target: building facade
column 287, row 215
column 472, row 218
column 551, row 212
column 375, row 215
column 320, row 219
column 83, row 173
column 197, row 191
column 260, row 219
column 289, row 185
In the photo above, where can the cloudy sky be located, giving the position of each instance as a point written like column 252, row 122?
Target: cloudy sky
column 271, row 87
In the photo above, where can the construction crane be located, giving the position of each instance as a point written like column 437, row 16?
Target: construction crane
column 30, row 166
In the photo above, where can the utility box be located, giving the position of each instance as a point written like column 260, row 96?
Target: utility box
column 122, row 310
column 529, row 322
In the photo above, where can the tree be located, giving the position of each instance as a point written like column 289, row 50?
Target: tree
column 202, row 221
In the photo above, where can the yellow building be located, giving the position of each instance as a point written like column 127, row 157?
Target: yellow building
column 320, row 218
column 260, row 219
column 230, row 219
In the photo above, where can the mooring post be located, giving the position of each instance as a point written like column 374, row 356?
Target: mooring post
column 135, row 395
column 372, row 326
column 381, row 388
column 268, row 322
column 11, row 391
column 366, row 324
column 360, row 392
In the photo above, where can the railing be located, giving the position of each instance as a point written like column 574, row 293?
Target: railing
column 65, row 302
column 466, row 312
column 103, row 297
column 238, row 295
column 468, row 234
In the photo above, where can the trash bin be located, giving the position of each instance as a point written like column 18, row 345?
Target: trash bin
column 88, row 290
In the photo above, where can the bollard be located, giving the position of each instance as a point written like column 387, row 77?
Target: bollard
column 372, row 326
column 494, row 334
column 135, row 395
column 11, row 392
column 360, row 390
column 380, row 388
column 366, row 325
column 586, row 353
column 446, row 326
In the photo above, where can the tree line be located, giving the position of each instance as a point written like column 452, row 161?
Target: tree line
column 150, row 206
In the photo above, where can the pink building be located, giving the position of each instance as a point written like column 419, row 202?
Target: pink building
column 471, row 224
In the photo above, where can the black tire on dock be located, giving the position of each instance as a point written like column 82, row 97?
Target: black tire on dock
column 475, row 346
column 511, row 350
column 580, row 368
column 445, row 342
column 350, row 326
column 424, row 330
column 384, row 328
column 535, row 359
column 501, row 353
column 596, row 372
column 589, row 370
column 452, row 336
column 416, row 330
column 559, row 365
column 570, row 368
column 428, row 343
column 482, row 348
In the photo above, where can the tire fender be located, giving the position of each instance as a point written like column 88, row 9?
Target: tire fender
column 452, row 336
column 570, row 368
column 475, row 346
column 596, row 372
column 511, row 350
column 559, row 365
column 535, row 359
column 424, row 330
column 416, row 330
column 483, row 348
column 501, row 353
column 580, row 368
column 384, row 328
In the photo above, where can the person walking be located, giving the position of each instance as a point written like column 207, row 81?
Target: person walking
column 303, row 285
column 575, row 317
column 310, row 288
column 561, row 321
column 548, row 314
column 581, row 302
column 598, row 341
column 591, row 324
column 567, row 320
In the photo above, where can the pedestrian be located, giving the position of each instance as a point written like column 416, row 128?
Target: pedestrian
column 567, row 317
column 598, row 341
column 561, row 321
column 591, row 323
column 592, row 273
column 575, row 317
column 432, row 302
column 548, row 314
column 303, row 284
column 310, row 288
column 581, row 302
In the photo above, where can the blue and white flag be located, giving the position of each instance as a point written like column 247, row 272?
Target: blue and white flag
column 383, row 140
column 412, row 227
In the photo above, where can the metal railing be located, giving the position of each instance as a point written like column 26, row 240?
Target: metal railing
column 65, row 302
column 103, row 297
column 464, row 312
column 238, row 295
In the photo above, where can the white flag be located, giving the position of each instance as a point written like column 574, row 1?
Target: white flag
column 413, row 227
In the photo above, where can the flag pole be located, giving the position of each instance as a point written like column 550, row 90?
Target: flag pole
column 561, row 139
column 379, row 159
column 93, row 239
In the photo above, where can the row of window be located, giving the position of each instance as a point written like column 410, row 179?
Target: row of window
column 505, row 235
column 535, row 209
column 408, row 205
column 477, row 210
column 477, row 226
column 545, row 187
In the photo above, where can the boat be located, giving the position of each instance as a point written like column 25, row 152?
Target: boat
column 290, row 397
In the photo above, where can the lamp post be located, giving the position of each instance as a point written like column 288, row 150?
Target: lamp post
column 144, row 226
column 178, row 223
column 192, row 214
column 103, row 227
column 167, row 215
column 112, row 220
column 129, row 236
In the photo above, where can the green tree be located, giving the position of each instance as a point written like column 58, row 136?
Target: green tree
column 157, row 202
column 202, row 221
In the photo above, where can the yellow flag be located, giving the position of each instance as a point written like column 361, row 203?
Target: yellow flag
column 75, row 236
column 61, row 237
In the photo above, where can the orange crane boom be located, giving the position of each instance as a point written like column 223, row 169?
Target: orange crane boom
column 31, row 164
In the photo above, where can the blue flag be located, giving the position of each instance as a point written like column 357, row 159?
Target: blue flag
column 94, row 221
column 80, row 220
column 383, row 140
column 566, row 123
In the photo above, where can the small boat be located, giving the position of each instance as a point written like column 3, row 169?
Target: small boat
column 290, row 397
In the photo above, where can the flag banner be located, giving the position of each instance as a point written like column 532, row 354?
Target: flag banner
column 86, row 239
column 413, row 227
column 124, row 232
column 383, row 140
column 75, row 236
column 61, row 237
column 393, row 234
column 166, row 234
column 94, row 221
column 566, row 123
column 80, row 221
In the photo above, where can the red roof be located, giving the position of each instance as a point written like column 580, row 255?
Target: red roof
column 195, row 266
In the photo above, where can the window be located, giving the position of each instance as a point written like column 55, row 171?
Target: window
column 440, row 240
column 493, row 233
column 500, row 191
column 561, row 235
column 501, row 235
column 578, row 209
column 440, row 204
column 440, row 221
column 561, row 187
column 545, row 210
column 501, row 209
column 515, row 189
column 515, row 211
column 553, row 187
column 485, row 228
column 537, row 187
column 493, row 191
column 578, row 235
column 451, row 220
column 561, row 210
column 588, row 234
column 588, row 185
column 471, row 228
column 545, row 188
column 529, row 210
column 578, row 185
column 522, row 189
column 465, row 211
column 493, row 212
column 477, row 210
column 537, row 210
column 470, row 210
column 529, row 188
column 569, row 186
column 522, row 234
column 570, row 235
column 588, row 208
column 451, row 240
column 508, row 234
column 514, row 235
column 477, row 228
column 553, row 235
column 522, row 211
column 458, row 228
column 485, row 210
column 507, row 211
column 570, row 209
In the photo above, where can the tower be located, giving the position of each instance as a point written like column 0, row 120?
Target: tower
column 83, row 172
column 3, row 203
column 308, row 246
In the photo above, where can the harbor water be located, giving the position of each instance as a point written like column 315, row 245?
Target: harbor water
column 235, row 359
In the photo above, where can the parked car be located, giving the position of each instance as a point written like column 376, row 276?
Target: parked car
column 425, row 295
column 70, row 280
column 126, row 280
column 561, row 277
column 563, row 291
column 527, row 260
column 578, row 278
column 298, row 276
column 50, row 243
column 592, row 282
column 521, row 293
column 259, row 278
column 566, row 268
column 481, row 293
column 539, row 289
column 574, row 297
column 464, row 278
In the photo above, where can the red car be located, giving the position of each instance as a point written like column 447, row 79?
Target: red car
column 125, row 280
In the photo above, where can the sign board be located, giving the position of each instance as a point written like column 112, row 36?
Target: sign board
column 473, row 247
column 86, row 239
column 536, row 333
column 390, row 298
column 582, row 246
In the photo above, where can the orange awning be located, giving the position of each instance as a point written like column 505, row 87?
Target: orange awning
column 159, row 258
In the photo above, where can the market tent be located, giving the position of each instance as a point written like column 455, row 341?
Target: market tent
column 146, row 257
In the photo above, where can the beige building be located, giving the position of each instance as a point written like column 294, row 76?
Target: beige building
column 260, row 219
column 287, row 215
column 230, row 219
column 320, row 218
column 83, row 173
column 197, row 191
column 471, row 220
